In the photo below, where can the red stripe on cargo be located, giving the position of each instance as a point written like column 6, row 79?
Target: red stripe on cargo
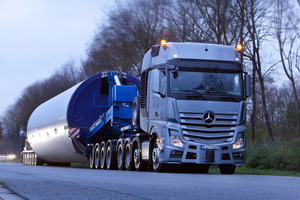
column 74, row 132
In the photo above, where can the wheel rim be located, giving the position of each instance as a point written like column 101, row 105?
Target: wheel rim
column 108, row 160
column 102, row 159
column 97, row 157
column 92, row 158
column 120, row 157
column 136, row 157
column 35, row 159
column 155, row 158
column 127, row 156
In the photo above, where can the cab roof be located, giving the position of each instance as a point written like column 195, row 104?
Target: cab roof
column 161, row 54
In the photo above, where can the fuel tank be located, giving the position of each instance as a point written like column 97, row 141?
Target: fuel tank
column 48, row 129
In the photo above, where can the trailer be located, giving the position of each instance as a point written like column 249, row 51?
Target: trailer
column 188, row 110
column 57, row 129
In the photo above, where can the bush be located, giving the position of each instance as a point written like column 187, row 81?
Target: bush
column 282, row 156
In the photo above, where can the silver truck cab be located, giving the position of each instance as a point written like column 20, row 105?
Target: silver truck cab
column 192, row 103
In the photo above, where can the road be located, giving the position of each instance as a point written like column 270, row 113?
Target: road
column 45, row 182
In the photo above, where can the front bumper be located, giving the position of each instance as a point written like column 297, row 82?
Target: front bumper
column 194, row 153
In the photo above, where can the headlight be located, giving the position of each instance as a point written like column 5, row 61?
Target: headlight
column 175, row 139
column 239, row 142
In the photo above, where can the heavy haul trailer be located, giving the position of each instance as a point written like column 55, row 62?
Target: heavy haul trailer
column 191, row 110
column 57, row 129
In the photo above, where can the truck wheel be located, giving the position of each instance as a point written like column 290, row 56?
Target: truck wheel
column 111, row 155
column 33, row 159
column 39, row 161
column 136, row 111
column 26, row 159
column 128, row 157
column 157, row 166
column 102, row 155
column 23, row 156
column 137, row 158
column 97, row 156
column 91, row 157
column 227, row 169
column 120, row 156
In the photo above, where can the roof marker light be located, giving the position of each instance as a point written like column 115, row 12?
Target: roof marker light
column 239, row 48
column 163, row 42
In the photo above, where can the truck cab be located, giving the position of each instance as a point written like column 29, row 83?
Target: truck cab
column 192, row 104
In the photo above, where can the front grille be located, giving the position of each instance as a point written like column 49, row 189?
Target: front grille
column 196, row 130
column 143, row 90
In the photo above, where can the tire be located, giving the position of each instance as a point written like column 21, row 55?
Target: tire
column 102, row 155
column 23, row 160
column 92, row 157
column 136, row 111
column 39, row 161
column 34, row 159
column 31, row 158
column 156, row 165
column 227, row 169
column 120, row 155
column 137, row 158
column 97, row 156
column 111, row 155
column 128, row 157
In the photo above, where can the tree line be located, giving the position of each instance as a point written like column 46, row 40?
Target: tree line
column 267, row 29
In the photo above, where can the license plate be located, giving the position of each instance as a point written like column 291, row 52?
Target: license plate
column 209, row 147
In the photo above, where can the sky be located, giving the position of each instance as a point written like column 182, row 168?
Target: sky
column 38, row 36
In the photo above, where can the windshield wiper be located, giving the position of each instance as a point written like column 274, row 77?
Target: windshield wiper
column 194, row 92
column 227, row 95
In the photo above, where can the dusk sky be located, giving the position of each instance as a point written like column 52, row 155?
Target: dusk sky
column 38, row 36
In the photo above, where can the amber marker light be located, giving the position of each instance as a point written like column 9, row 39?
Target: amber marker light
column 163, row 42
column 239, row 48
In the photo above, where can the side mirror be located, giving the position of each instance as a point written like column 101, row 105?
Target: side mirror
column 248, row 85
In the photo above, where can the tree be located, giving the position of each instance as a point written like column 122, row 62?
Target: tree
column 12, row 128
column 180, row 21
column 16, row 118
column 218, row 21
column 1, row 129
column 287, row 32
column 257, row 15
column 127, row 36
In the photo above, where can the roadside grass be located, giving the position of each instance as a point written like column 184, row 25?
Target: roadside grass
column 16, row 160
column 3, row 185
column 79, row 165
column 257, row 171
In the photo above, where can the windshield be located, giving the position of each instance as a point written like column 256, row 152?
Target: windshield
column 206, row 85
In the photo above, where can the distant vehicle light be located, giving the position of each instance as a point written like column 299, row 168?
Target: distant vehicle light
column 11, row 156
column 163, row 42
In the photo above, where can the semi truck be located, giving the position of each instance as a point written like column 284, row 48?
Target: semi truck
column 187, row 110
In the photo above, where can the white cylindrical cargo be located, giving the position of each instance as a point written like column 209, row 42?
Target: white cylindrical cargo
column 78, row 107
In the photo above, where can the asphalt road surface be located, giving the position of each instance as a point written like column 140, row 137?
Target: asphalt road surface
column 45, row 182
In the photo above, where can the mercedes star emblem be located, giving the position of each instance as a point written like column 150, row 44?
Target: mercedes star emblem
column 209, row 117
